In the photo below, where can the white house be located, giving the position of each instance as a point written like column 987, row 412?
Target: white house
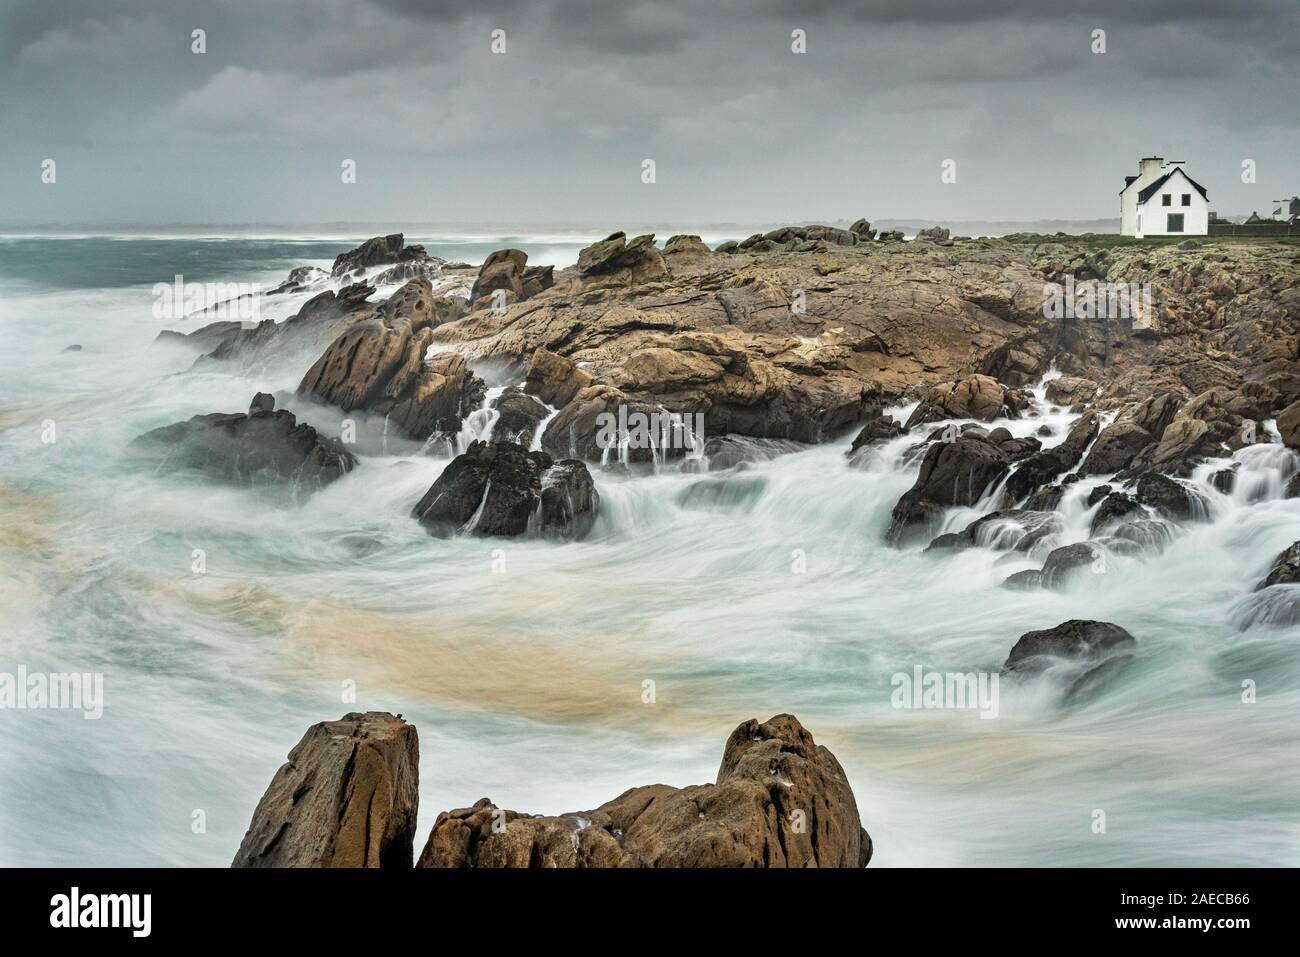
column 1162, row 200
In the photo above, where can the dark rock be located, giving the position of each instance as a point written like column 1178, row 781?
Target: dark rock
column 1115, row 507
column 877, row 429
column 520, row 415
column 1045, row 499
column 347, row 797
column 75, row 347
column 569, row 499
column 1285, row 570
column 952, row 473
column 1225, row 480
column 496, row 489
column 1115, row 448
column 379, row 251
column 1169, row 496
column 1292, row 489
column 1044, row 466
column 300, row 278
column 1092, row 680
column 1097, row 494
column 780, row 800
column 258, row 448
column 1063, row 562
column 1076, row 640
column 1027, row 580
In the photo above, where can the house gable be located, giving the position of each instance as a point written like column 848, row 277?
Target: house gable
column 1155, row 187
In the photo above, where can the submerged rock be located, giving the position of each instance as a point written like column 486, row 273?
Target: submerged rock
column 500, row 489
column 262, row 446
column 1077, row 640
column 347, row 797
column 1062, row 563
column 1115, row 508
column 780, row 800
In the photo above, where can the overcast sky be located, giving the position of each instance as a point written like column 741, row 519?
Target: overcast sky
column 556, row 129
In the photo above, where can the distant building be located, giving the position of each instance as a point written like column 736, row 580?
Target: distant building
column 1162, row 200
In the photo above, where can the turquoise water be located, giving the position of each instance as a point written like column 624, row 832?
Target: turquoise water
column 524, row 664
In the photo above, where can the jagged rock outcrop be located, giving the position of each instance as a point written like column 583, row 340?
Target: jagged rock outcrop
column 1045, row 465
column 502, row 489
column 378, row 251
column 780, row 800
column 347, row 797
column 507, row 271
column 379, row 366
column 260, row 447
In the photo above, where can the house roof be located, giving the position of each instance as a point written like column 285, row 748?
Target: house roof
column 1155, row 186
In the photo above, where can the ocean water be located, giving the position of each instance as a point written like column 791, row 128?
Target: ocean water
column 526, row 665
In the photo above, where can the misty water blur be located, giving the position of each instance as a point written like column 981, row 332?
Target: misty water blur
column 740, row 593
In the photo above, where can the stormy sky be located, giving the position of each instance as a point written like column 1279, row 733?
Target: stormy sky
column 555, row 129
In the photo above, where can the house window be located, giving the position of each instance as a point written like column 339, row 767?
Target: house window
column 1175, row 223
column 1187, row 199
column 1165, row 200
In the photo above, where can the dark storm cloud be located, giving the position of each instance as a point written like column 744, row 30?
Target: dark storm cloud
column 740, row 127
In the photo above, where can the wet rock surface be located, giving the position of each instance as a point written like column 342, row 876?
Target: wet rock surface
column 779, row 800
column 260, row 447
column 501, row 489
column 347, row 797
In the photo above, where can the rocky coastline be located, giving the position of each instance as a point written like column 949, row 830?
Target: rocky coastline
column 799, row 336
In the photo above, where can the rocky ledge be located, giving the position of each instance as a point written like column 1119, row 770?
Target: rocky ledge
column 348, row 798
column 264, row 446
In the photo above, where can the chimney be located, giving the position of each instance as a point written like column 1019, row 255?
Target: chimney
column 1149, row 170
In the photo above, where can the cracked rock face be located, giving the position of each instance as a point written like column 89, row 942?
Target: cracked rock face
column 780, row 800
column 347, row 797
column 381, row 366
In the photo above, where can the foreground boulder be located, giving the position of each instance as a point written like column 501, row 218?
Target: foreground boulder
column 260, row 447
column 378, row 366
column 347, row 797
column 502, row 489
column 780, row 800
